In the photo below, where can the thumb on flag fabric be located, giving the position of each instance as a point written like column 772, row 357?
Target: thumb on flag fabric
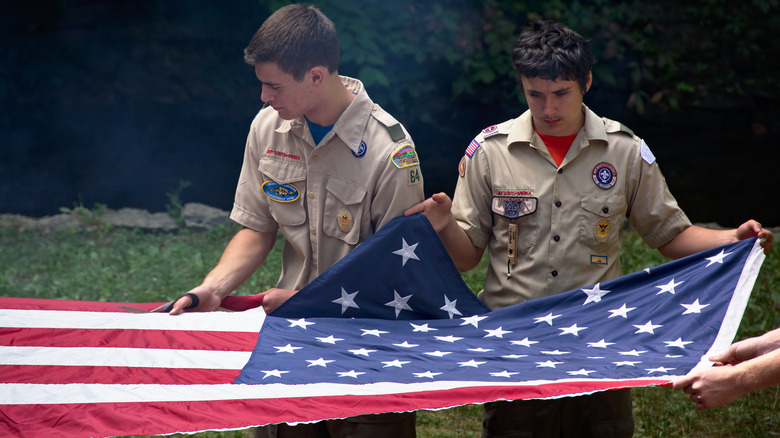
column 77, row 369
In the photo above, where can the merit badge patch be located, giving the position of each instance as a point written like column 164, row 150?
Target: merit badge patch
column 598, row 260
column 462, row 167
column 490, row 131
column 604, row 175
column 344, row 218
column 473, row 146
column 601, row 229
column 405, row 156
column 361, row 150
column 280, row 192
column 513, row 207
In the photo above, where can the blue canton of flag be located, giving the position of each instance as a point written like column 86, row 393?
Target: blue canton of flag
column 402, row 272
column 647, row 326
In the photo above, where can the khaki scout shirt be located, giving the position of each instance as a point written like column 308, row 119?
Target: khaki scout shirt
column 326, row 198
column 573, row 238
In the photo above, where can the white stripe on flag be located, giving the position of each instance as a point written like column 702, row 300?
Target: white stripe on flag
column 124, row 357
column 248, row 321
column 25, row 393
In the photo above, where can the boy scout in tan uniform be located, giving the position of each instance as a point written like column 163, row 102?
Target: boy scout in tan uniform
column 323, row 164
column 554, row 222
column 571, row 233
column 326, row 199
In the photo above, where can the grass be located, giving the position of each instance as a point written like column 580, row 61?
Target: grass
column 114, row 264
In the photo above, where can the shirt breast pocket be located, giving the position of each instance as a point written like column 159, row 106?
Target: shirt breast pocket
column 601, row 220
column 343, row 211
column 284, row 185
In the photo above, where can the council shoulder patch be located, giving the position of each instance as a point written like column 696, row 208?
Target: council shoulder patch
column 490, row 131
column 405, row 156
column 280, row 192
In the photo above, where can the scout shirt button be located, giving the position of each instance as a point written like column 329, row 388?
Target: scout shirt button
column 560, row 171
column 311, row 194
column 605, row 210
column 315, row 158
column 558, row 204
column 554, row 273
column 557, row 238
column 313, row 230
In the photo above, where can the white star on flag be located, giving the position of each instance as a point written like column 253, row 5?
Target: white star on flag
column 648, row 327
column 449, row 307
column 594, row 294
column 395, row 363
column 717, row 258
column 319, row 362
column 600, row 344
column 329, row 340
column 694, row 307
column 499, row 332
column 302, row 323
column 525, row 342
column 352, row 373
column 406, row 252
column 473, row 320
column 422, row 328
column 572, row 330
column 346, row 300
column 373, row 332
column 668, row 287
column 547, row 318
column 678, row 343
column 622, row 311
column 399, row 303
column 287, row 349
column 274, row 373
column 472, row 363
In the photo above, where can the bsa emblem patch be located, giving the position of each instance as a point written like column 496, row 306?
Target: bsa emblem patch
column 601, row 229
column 345, row 220
column 490, row 131
column 361, row 150
column 462, row 167
column 604, row 175
column 280, row 192
column 513, row 207
column 405, row 156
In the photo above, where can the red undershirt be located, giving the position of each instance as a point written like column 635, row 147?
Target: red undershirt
column 557, row 146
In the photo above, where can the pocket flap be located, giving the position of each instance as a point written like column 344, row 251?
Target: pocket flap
column 346, row 192
column 283, row 173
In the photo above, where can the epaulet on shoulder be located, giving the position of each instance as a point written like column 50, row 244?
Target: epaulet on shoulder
column 613, row 127
column 393, row 126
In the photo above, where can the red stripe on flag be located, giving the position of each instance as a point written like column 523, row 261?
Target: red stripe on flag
column 128, row 338
column 49, row 374
column 110, row 419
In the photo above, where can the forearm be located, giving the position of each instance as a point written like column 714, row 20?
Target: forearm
column 243, row 255
column 695, row 239
column 760, row 372
column 464, row 254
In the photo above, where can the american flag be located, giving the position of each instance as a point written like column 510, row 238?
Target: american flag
column 84, row 369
